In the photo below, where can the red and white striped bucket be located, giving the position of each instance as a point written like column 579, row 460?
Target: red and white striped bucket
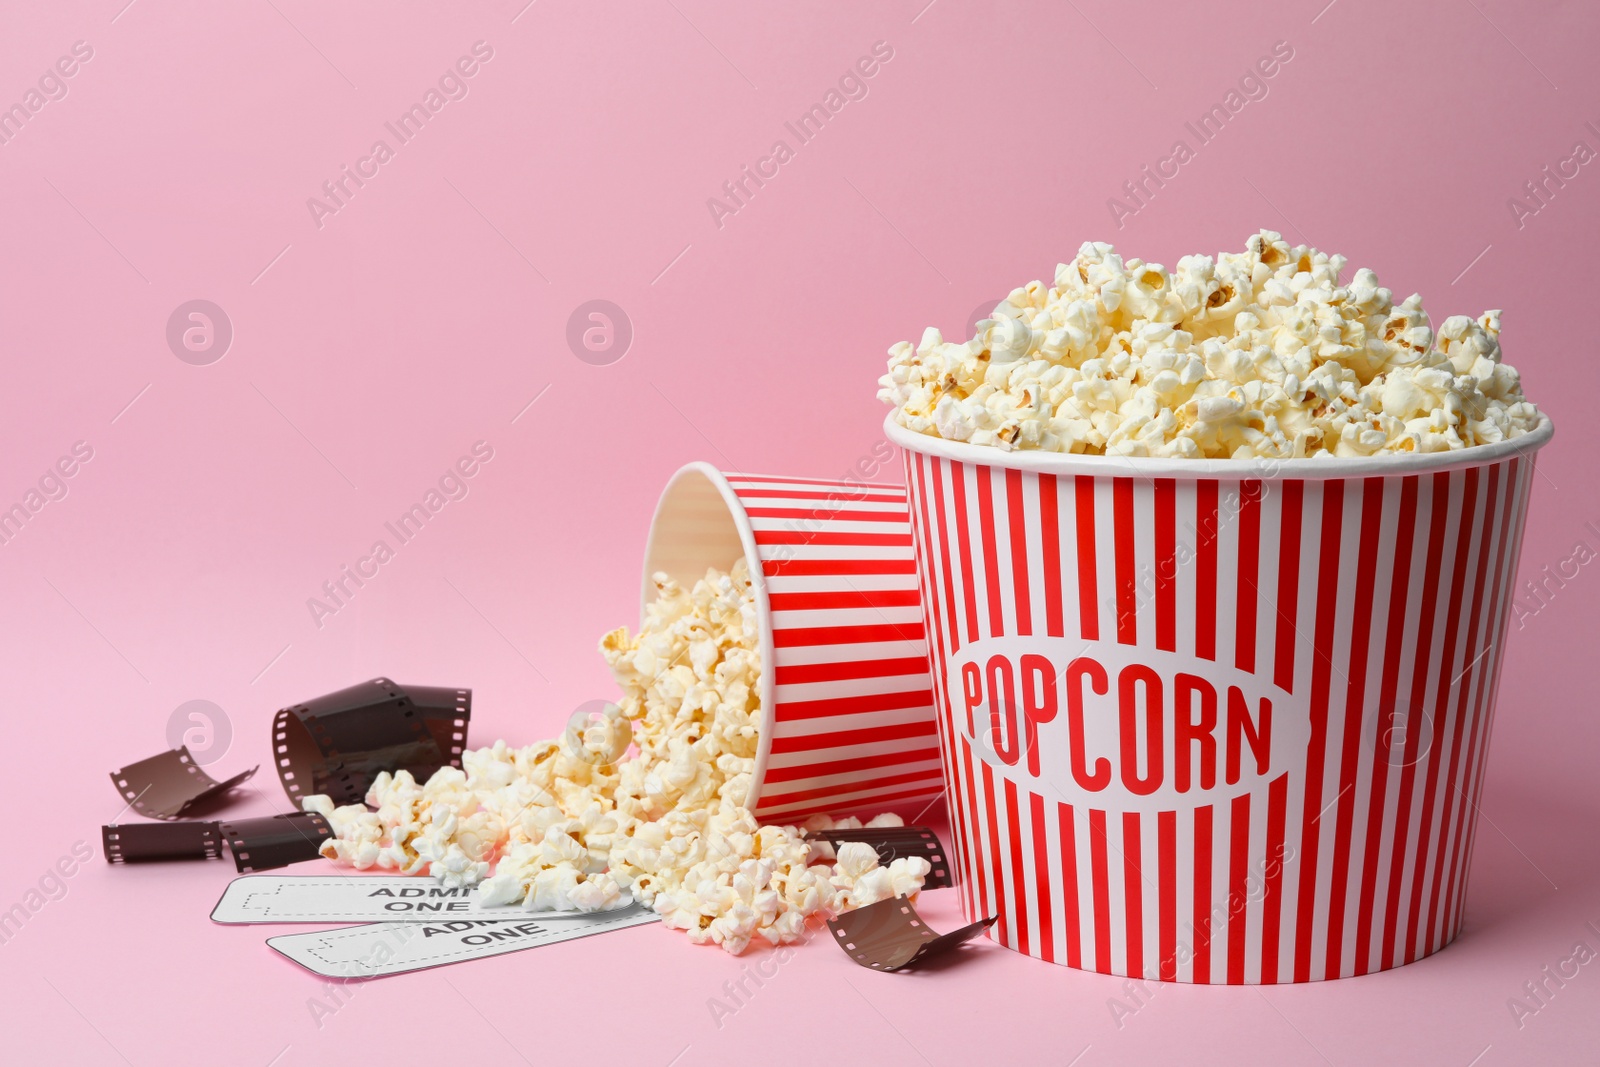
column 1216, row 721
column 847, row 703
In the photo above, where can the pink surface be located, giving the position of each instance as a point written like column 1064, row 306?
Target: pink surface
column 370, row 352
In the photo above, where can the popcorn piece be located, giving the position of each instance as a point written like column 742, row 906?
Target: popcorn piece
column 860, row 880
column 1255, row 354
column 855, row 860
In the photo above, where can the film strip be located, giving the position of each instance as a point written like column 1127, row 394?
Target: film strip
column 338, row 743
column 275, row 841
column 891, row 936
column 260, row 844
column 169, row 785
column 142, row 841
column 891, row 842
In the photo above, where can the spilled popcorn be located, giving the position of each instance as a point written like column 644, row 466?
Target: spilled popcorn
column 1262, row 353
column 575, row 824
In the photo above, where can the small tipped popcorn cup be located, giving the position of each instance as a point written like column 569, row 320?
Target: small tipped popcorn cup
column 1216, row 721
column 847, row 718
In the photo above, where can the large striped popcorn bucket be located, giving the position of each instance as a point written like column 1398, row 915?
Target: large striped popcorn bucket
column 847, row 703
column 1216, row 721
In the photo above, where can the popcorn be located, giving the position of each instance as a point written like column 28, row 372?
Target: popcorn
column 860, row 880
column 574, row 824
column 1255, row 354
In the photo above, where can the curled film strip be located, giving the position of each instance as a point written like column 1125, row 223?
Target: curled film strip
column 891, row 936
column 338, row 743
column 169, row 785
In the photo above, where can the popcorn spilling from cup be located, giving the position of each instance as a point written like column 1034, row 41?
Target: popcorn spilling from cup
column 572, row 824
column 1259, row 354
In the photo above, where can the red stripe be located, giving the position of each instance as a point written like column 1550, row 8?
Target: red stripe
column 1202, row 894
column 775, row 799
column 853, row 705
column 1355, row 692
column 991, row 565
column 1246, row 600
column 1463, row 688
column 1288, row 584
column 1396, row 645
column 1511, row 530
column 810, row 636
column 926, row 552
column 1272, row 879
column 951, row 629
column 762, row 479
column 1238, row 886
column 848, row 766
column 1019, row 553
column 775, row 568
column 1321, row 667
column 1050, row 548
column 826, row 514
column 837, row 804
column 1088, row 595
column 1133, row 892
column 1101, row 880
column 844, row 599
column 800, row 673
column 865, row 735
column 1019, row 880
column 979, row 846
column 1167, row 876
column 1469, row 498
column 754, row 493
column 1069, row 883
column 946, row 634
column 1126, row 564
column 1041, row 878
column 807, row 537
column 1205, row 571
column 1166, row 565
column 995, row 862
column 1439, row 512
column 1460, row 795
column 958, row 484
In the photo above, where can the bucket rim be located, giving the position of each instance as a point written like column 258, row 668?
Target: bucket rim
column 1261, row 469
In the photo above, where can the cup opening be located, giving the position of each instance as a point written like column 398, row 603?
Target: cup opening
column 694, row 528
column 699, row 523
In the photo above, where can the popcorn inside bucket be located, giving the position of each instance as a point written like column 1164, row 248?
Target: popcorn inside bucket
column 1262, row 353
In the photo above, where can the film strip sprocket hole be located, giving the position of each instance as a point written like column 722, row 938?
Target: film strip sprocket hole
column 891, row 936
column 260, row 844
column 338, row 743
column 892, row 842
column 171, row 783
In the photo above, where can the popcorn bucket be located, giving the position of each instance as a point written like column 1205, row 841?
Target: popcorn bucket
column 847, row 718
column 1216, row 720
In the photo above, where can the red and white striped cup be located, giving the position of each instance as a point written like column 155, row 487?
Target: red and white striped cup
column 1216, row 721
column 847, row 703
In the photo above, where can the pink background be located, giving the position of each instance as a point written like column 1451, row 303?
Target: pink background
column 369, row 353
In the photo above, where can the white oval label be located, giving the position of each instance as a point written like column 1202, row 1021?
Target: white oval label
column 1123, row 728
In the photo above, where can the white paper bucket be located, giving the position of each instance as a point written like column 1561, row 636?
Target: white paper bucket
column 1216, row 721
column 847, row 703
